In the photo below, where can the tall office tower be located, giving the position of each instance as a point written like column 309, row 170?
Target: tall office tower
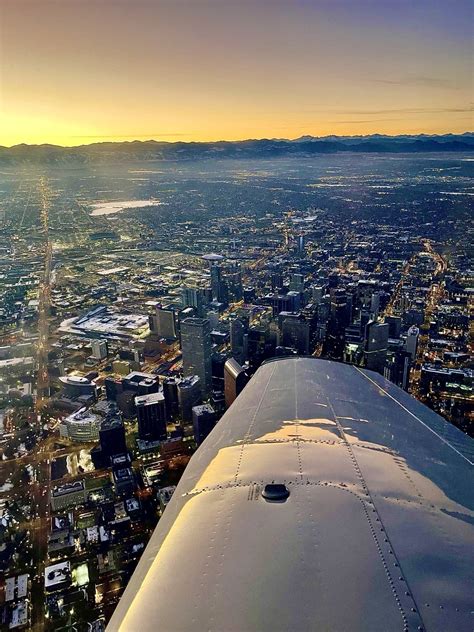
column 295, row 333
column 213, row 318
column 196, row 347
column 411, row 344
column 99, row 349
column 220, row 291
column 217, row 363
column 189, row 395
column 403, row 303
column 276, row 280
column 364, row 319
column 204, row 420
column 257, row 346
column 317, row 293
column 192, row 297
column 297, row 283
column 113, row 388
column 394, row 326
column 323, row 310
column 290, row 302
column 376, row 341
column 375, row 303
column 235, row 378
column 339, row 319
column 112, row 436
column 397, row 368
column 170, row 393
column 238, row 329
column 163, row 323
column 310, row 314
column 301, row 245
column 152, row 418
column 234, row 283
column 216, row 278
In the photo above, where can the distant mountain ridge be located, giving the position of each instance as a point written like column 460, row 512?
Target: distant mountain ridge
column 106, row 152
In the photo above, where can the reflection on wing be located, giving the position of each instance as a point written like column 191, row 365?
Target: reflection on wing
column 377, row 531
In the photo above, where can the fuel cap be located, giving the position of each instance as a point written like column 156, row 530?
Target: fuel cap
column 275, row 492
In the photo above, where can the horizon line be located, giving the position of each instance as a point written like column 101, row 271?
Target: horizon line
column 155, row 138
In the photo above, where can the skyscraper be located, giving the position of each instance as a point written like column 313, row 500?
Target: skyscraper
column 394, row 326
column 376, row 339
column 170, row 392
column 112, row 436
column 196, row 347
column 297, row 283
column 163, row 323
column 235, row 378
column 234, row 283
column 192, row 297
column 219, row 288
column 397, row 368
column 99, row 349
column 204, row 420
column 339, row 319
column 301, row 244
column 151, row 412
column 189, row 395
column 295, row 333
column 238, row 329
column 412, row 341
column 375, row 304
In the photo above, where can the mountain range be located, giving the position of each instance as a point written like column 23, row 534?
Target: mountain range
column 107, row 152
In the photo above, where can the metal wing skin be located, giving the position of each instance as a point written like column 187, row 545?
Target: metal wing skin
column 377, row 533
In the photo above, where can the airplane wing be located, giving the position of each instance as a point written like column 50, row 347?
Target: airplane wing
column 325, row 499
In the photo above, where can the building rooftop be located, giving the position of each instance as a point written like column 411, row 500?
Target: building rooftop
column 68, row 488
column 82, row 416
column 19, row 615
column 148, row 400
column 57, row 574
column 108, row 323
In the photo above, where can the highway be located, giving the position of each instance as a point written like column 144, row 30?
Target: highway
column 434, row 296
column 44, row 307
column 41, row 486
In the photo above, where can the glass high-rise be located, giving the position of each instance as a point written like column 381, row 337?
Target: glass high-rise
column 196, row 347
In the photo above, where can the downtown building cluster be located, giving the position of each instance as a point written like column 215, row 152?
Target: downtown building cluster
column 148, row 346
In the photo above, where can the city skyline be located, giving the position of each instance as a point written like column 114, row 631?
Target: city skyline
column 86, row 72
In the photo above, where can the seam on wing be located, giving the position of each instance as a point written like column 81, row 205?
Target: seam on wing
column 297, row 425
column 390, row 553
column 247, row 434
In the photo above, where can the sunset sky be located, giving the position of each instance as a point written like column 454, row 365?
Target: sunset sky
column 82, row 71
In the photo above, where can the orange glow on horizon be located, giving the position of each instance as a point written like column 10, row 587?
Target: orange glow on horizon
column 83, row 71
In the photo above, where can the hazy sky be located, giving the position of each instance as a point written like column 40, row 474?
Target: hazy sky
column 80, row 71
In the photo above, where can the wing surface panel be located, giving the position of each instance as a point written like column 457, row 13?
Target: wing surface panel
column 376, row 534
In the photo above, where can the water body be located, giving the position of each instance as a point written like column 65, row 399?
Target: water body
column 108, row 208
